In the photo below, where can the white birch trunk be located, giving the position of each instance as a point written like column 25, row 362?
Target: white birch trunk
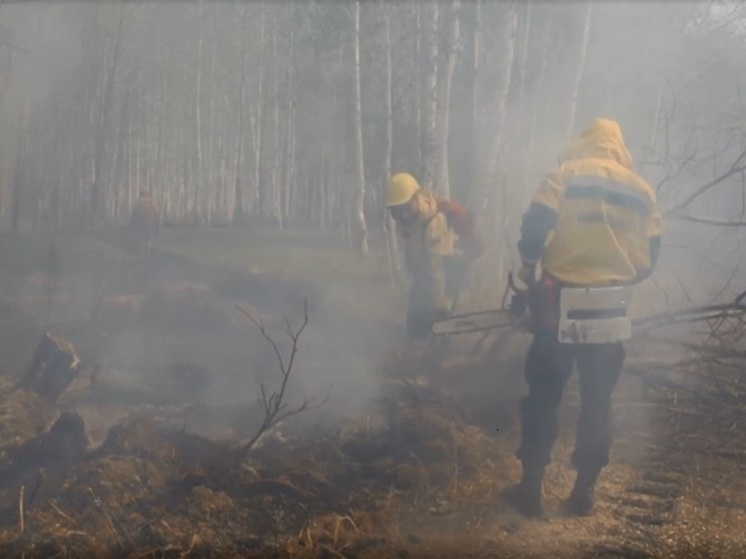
column 429, row 99
column 447, row 62
column 580, row 69
column 358, row 217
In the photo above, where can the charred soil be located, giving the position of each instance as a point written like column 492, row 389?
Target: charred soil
column 139, row 457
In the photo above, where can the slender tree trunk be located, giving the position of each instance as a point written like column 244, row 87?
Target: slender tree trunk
column 447, row 61
column 199, row 179
column 358, row 217
column 121, row 160
column 473, row 10
column 520, row 115
column 144, row 139
column 237, row 194
column 323, row 187
column 19, row 180
column 507, row 48
column 213, row 184
column 289, row 166
column 164, row 156
column 291, row 181
column 429, row 99
column 276, row 193
column 259, row 193
column 524, row 49
column 389, row 225
column 587, row 13
column 132, row 155
column 103, row 123
column 419, row 65
column 537, row 99
column 160, row 156
column 495, row 187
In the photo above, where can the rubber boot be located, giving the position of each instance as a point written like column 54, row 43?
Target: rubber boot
column 525, row 496
column 580, row 502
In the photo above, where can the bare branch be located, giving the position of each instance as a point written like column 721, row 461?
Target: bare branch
column 728, row 282
column 735, row 169
column 260, row 326
column 734, row 309
column 11, row 46
column 275, row 409
column 711, row 221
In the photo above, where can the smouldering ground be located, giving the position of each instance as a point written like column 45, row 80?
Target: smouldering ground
column 411, row 467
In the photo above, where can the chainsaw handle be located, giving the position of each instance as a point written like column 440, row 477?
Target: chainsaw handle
column 522, row 293
column 514, row 287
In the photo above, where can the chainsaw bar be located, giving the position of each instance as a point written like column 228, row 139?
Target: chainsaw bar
column 473, row 322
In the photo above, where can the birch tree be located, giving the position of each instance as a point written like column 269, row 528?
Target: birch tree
column 429, row 94
column 238, row 202
column 389, row 225
column 358, row 218
column 586, row 24
column 447, row 45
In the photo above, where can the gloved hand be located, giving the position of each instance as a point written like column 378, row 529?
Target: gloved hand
column 527, row 274
column 518, row 305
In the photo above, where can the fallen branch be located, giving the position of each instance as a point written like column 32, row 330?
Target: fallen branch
column 331, row 551
column 711, row 221
column 735, row 309
column 21, row 513
column 59, row 511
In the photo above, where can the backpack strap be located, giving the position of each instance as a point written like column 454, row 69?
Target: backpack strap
column 425, row 225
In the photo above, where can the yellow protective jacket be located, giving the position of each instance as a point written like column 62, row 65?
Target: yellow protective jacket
column 593, row 221
column 426, row 241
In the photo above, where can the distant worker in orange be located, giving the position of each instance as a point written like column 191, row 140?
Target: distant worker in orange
column 144, row 223
column 440, row 240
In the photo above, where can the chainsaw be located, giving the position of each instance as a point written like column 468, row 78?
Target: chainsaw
column 514, row 315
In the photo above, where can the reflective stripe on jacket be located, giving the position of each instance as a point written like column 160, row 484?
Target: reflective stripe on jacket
column 593, row 221
column 426, row 241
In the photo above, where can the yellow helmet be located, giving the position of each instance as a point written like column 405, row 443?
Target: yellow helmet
column 402, row 187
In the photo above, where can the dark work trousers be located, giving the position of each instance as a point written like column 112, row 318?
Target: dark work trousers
column 549, row 365
column 419, row 316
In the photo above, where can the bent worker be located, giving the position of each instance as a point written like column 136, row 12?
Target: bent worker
column 144, row 222
column 592, row 224
column 431, row 249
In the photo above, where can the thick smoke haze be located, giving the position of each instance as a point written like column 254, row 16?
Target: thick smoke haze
column 241, row 112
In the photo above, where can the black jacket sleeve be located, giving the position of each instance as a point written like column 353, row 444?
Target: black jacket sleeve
column 655, row 248
column 537, row 223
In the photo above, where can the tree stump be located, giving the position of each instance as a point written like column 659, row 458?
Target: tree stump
column 54, row 366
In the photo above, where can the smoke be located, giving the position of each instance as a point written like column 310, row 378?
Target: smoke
column 671, row 82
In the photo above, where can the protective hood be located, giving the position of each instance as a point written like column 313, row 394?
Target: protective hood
column 602, row 140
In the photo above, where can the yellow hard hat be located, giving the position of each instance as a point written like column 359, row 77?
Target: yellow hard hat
column 402, row 187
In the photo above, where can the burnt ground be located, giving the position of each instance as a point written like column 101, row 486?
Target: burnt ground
column 402, row 459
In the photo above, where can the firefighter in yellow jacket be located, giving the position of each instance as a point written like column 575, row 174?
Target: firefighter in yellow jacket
column 440, row 239
column 426, row 241
column 592, row 223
